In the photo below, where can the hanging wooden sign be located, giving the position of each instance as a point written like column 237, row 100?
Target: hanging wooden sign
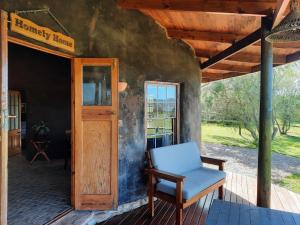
column 43, row 34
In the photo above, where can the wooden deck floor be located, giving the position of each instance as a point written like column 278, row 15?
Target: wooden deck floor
column 238, row 188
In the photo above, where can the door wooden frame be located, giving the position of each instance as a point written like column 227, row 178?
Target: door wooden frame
column 4, row 115
column 24, row 43
column 6, row 38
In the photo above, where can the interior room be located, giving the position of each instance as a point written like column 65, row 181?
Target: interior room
column 39, row 135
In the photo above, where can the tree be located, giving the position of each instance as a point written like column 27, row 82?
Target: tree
column 286, row 96
column 237, row 100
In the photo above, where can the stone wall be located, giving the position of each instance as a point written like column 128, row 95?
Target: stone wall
column 101, row 29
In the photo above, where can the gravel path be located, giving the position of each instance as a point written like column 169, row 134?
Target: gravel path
column 244, row 161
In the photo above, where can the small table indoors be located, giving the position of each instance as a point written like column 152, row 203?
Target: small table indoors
column 40, row 147
column 228, row 213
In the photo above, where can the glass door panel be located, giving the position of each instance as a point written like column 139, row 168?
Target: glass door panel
column 97, row 86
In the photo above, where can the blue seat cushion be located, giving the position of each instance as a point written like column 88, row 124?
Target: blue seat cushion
column 196, row 181
column 176, row 159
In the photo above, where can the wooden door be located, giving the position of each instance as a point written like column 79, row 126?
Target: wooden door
column 14, row 123
column 95, row 134
column 4, row 117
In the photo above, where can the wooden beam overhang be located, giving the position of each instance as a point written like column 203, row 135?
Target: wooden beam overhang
column 241, row 57
column 231, row 68
column 293, row 57
column 249, row 8
column 217, row 71
column 219, row 37
column 235, row 48
column 230, row 62
column 281, row 8
column 208, row 76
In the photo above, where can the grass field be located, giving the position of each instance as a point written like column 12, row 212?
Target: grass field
column 283, row 144
column 228, row 135
column 291, row 182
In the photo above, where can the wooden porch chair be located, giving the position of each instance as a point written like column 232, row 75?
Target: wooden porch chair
column 176, row 174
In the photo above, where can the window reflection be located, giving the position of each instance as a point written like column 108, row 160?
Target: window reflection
column 97, row 86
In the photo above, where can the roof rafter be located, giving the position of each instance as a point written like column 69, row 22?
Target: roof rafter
column 235, row 48
column 232, row 68
column 220, row 37
column 257, row 8
column 293, row 57
column 281, row 8
column 241, row 57
column 209, row 76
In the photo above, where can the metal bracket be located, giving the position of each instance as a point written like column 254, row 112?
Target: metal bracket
column 45, row 10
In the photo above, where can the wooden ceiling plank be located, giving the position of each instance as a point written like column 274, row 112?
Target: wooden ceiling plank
column 249, row 8
column 235, row 48
column 281, row 8
column 204, row 35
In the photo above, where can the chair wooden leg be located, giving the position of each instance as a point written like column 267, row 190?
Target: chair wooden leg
column 179, row 215
column 150, row 196
column 179, row 189
column 221, row 192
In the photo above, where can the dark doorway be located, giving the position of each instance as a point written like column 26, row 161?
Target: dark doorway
column 39, row 190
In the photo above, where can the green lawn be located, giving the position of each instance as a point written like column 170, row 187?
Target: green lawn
column 291, row 182
column 228, row 135
column 284, row 144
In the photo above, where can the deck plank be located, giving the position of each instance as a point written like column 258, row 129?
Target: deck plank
column 238, row 189
column 227, row 187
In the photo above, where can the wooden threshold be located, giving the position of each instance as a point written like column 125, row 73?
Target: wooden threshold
column 24, row 43
column 59, row 216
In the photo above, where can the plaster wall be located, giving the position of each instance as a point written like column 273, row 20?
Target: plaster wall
column 101, row 29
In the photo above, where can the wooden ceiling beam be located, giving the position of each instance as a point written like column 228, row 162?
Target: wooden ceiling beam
column 219, row 37
column 235, row 48
column 245, row 7
column 257, row 68
column 281, row 8
column 217, row 71
column 232, row 68
column 208, row 76
column 230, row 62
column 241, row 57
column 293, row 57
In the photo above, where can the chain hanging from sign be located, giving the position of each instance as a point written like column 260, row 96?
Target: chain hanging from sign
column 43, row 34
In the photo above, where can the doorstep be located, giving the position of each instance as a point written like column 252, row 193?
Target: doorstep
column 92, row 217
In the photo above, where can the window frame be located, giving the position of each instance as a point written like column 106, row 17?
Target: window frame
column 177, row 86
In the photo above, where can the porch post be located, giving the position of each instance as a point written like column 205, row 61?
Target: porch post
column 265, row 119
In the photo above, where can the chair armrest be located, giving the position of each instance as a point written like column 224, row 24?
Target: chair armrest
column 214, row 161
column 165, row 175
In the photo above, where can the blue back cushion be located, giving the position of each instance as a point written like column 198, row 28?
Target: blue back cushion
column 177, row 159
